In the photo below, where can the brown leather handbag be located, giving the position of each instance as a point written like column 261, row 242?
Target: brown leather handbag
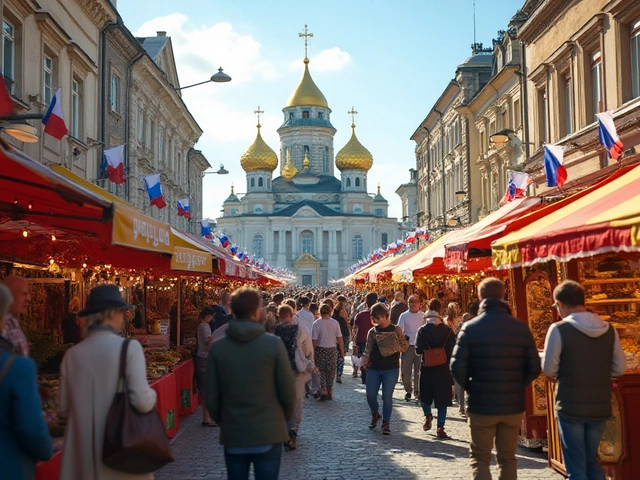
column 434, row 357
column 134, row 442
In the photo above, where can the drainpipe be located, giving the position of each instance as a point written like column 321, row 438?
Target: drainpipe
column 469, row 185
column 428, row 174
column 444, row 185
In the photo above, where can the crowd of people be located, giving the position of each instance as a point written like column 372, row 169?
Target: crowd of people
column 261, row 356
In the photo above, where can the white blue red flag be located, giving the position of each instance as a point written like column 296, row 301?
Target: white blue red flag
column 154, row 189
column 233, row 249
column 114, row 161
column 422, row 233
column 411, row 237
column 205, row 229
column 553, row 167
column 184, row 210
column 224, row 241
column 53, row 120
column 516, row 186
column 609, row 136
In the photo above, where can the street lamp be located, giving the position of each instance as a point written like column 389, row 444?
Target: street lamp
column 501, row 137
column 17, row 126
column 460, row 195
column 219, row 77
column 221, row 171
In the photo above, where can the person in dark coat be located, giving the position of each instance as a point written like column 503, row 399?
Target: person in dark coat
column 435, row 382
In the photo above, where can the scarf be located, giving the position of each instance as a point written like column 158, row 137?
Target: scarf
column 288, row 332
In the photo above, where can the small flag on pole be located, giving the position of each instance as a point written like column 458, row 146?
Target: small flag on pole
column 553, row 167
column 184, row 210
column 224, row 241
column 517, row 186
column 608, row 135
column 205, row 229
column 154, row 189
column 53, row 120
column 114, row 159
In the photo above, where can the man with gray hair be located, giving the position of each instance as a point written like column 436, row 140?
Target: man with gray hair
column 398, row 307
column 410, row 322
column 19, row 288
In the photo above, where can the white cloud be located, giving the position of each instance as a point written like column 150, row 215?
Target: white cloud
column 329, row 60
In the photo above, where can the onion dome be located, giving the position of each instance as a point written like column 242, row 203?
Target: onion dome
column 379, row 197
column 353, row 155
column 307, row 94
column 259, row 156
column 289, row 171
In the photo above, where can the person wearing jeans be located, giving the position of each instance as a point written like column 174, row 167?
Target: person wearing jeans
column 410, row 321
column 266, row 462
column 580, row 440
column 382, row 370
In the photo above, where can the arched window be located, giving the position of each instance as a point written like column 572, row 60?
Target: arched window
column 325, row 161
column 253, row 182
column 260, row 182
column 385, row 240
column 258, row 246
column 348, row 182
column 306, row 239
column 356, row 243
column 357, row 182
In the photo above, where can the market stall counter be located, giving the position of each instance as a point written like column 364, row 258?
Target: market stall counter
column 186, row 394
column 167, row 403
column 49, row 470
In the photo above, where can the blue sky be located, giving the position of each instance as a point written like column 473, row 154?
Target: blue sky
column 391, row 60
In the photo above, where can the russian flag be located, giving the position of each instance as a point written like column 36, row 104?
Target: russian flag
column 553, row 167
column 411, row 237
column 114, row 160
column 422, row 233
column 6, row 104
column 184, row 210
column 608, row 136
column 224, row 241
column 154, row 189
column 233, row 249
column 205, row 229
column 517, row 186
column 53, row 120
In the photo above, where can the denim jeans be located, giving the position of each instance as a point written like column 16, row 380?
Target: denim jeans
column 580, row 438
column 266, row 466
column 442, row 414
column 386, row 378
column 459, row 394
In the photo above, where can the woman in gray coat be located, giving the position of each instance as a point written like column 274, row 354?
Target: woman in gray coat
column 88, row 384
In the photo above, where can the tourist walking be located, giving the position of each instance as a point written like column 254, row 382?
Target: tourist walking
column 341, row 316
column 89, row 377
column 494, row 360
column 250, row 391
column 435, row 341
column 305, row 318
column 410, row 322
column 24, row 435
column 385, row 343
column 398, row 307
column 362, row 324
column 300, row 350
column 203, row 341
column 325, row 335
column 21, row 294
column 583, row 352
column 454, row 320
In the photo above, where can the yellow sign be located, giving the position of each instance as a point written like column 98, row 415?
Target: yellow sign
column 133, row 229
column 189, row 260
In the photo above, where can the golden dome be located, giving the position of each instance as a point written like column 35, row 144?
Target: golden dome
column 353, row 155
column 307, row 94
column 259, row 156
column 289, row 171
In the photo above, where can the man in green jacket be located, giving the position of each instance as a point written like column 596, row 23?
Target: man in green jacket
column 250, row 391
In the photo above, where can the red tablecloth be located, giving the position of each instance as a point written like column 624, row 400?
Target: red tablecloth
column 49, row 470
column 187, row 398
column 167, row 403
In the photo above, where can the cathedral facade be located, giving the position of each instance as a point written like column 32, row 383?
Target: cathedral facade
column 305, row 218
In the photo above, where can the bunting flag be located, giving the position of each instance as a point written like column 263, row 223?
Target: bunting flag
column 224, row 241
column 114, row 164
column 154, row 189
column 233, row 248
column 184, row 210
column 53, row 120
column 205, row 229
column 516, row 186
column 421, row 233
column 411, row 237
column 608, row 135
column 6, row 104
column 553, row 167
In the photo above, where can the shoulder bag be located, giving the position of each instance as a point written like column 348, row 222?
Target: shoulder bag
column 434, row 357
column 390, row 343
column 134, row 442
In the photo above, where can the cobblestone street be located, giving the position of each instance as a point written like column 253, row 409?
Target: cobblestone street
column 335, row 443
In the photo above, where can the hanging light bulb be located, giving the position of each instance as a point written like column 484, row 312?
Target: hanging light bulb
column 84, row 265
column 53, row 238
column 52, row 261
column 30, row 206
column 25, row 234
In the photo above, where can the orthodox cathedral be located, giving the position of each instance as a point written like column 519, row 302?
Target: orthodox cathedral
column 306, row 219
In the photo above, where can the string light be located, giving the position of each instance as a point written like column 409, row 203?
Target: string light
column 84, row 265
column 53, row 238
column 25, row 234
column 30, row 206
column 51, row 261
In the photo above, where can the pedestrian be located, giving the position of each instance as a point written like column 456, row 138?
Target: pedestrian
column 203, row 344
column 454, row 320
column 410, row 322
column 362, row 323
column 250, row 391
column 21, row 294
column 300, row 350
column 326, row 334
column 494, row 360
column 305, row 318
column 89, row 377
column 71, row 328
column 340, row 315
column 385, row 343
column 433, row 311
column 24, row 435
column 398, row 307
column 435, row 377
column 583, row 352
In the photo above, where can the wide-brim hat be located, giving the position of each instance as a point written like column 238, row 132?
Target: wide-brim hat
column 104, row 297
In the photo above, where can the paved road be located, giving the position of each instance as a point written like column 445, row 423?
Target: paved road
column 335, row 443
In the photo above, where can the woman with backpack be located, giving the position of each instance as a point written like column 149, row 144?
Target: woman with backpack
column 435, row 341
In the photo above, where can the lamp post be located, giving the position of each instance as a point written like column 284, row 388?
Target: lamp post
column 17, row 126
column 221, row 171
column 219, row 77
column 501, row 137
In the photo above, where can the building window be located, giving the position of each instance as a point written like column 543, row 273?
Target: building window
column 542, row 116
column 307, row 242
column 8, row 55
column 596, row 82
column 320, row 115
column 258, row 246
column 379, row 212
column 47, row 93
column 348, row 182
column 290, row 114
column 385, row 240
column 305, row 114
column 504, row 118
column 568, row 108
column 253, row 182
column 357, row 182
column 115, row 93
column 76, row 107
column 325, row 160
column 140, row 126
column 635, row 60
column 357, row 247
column 260, row 182
column 160, row 150
column 516, row 114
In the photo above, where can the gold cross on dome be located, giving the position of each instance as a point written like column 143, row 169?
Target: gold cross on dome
column 353, row 112
column 306, row 36
column 258, row 112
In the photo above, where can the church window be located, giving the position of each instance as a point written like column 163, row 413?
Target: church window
column 305, row 114
column 290, row 114
column 307, row 242
column 357, row 182
column 258, row 246
column 379, row 212
column 253, row 182
column 325, row 156
column 357, row 247
column 260, row 182
column 258, row 209
column 385, row 240
column 348, row 182
column 269, row 183
column 320, row 115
